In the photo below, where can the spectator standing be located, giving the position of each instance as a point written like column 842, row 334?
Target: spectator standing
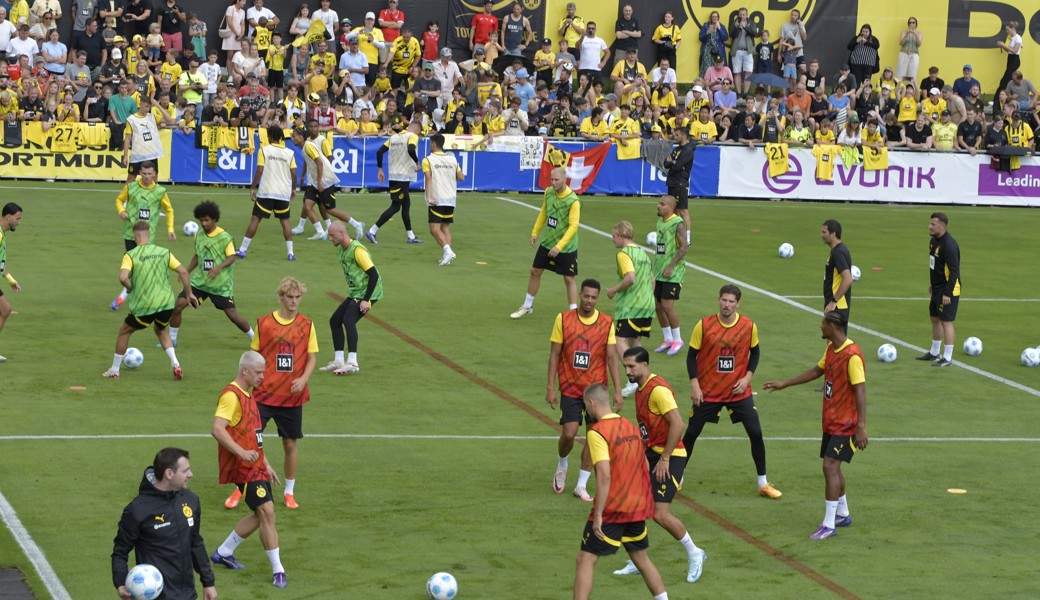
column 8, row 31
column 794, row 29
column 90, row 42
column 78, row 74
column 627, row 34
column 20, row 12
column 863, row 54
column 255, row 12
column 171, row 24
column 945, row 132
column 593, row 53
column 482, row 25
column 572, row 28
column 40, row 31
column 713, row 42
column 516, row 31
column 1013, row 46
column 82, row 12
column 447, row 72
column 742, row 34
column 235, row 21
column 910, row 41
column 955, row 104
column 667, row 38
column 22, row 45
column 962, row 86
column 301, row 22
column 330, row 18
column 403, row 54
column 55, row 55
column 41, row 7
column 431, row 40
column 137, row 16
column 391, row 20
column 370, row 42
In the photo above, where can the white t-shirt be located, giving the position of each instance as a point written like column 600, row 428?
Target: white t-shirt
column 7, row 31
column 212, row 73
column 669, row 76
column 1016, row 40
column 252, row 14
column 329, row 17
column 591, row 52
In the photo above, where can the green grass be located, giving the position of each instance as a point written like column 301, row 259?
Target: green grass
column 379, row 515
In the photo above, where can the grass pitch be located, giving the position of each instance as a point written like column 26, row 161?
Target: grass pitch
column 406, row 469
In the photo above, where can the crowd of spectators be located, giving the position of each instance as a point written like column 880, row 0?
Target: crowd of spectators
column 371, row 78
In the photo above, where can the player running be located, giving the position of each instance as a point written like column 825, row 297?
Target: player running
column 274, row 187
column 10, row 218
column 634, row 307
column 442, row 174
column 404, row 164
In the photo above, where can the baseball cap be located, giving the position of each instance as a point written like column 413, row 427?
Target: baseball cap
column 522, row 74
column 478, row 112
column 543, row 130
column 610, row 97
column 546, row 41
column 478, row 51
column 698, row 89
column 656, row 129
column 967, row 68
column 446, row 52
column 844, row 67
column 346, row 21
column 933, row 92
column 370, row 15
column 137, row 38
column 945, row 113
column 854, row 118
column 116, row 53
column 118, row 39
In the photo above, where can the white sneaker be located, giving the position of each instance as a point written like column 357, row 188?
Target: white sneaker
column 446, row 259
column 630, row 568
column 521, row 312
column 296, row 230
column 3, row 359
column 359, row 230
column 347, row 369
column 319, row 237
column 696, row 566
column 559, row 480
column 332, row 366
column 582, row 493
column 628, row 390
column 111, row 374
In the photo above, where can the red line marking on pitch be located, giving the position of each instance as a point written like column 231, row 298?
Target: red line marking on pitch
column 704, row 511
column 77, row 388
column 756, row 231
column 875, row 268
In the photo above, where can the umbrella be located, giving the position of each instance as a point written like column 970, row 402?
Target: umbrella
column 770, row 80
column 506, row 60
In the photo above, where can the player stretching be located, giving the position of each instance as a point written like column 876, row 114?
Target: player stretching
column 404, row 164
column 555, row 234
column 669, row 271
column 274, row 186
column 144, row 274
column 442, row 176
column 212, row 271
column 844, row 415
column 10, row 218
column 634, row 307
column 240, row 456
column 142, row 200
column 662, row 428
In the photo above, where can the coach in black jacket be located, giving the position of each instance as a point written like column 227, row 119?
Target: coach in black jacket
column 162, row 526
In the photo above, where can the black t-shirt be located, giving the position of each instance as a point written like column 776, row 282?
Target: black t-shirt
column 32, row 108
column 626, row 25
column 131, row 28
column 770, row 131
column 98, row 110
column 927, row 84
column 996, row 138
column 170, row 22
column 811, row 82
column 679, row 165
column 839, row 260
column 892, row 133
column 918, row 137
column 971, row 132
column 755, row 133
column 92, row 45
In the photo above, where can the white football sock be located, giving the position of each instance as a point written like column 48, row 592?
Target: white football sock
column 276, row 562
column 762, row 481
column 351, row 358
column 250, row 334
column 411, row 234
column 447, row 249
column 353, row 223
column 373, row 229
column 172, row 354
column 288, row 247
column 290, row 485
column 117, row 361
column 318, row 227
column 828, row 515
column 583, row 478
column 302, row 223
column 528, row 301
column 948, row 352
column 229, row 545
column 245, row 244
column 843, row 507
column 339, row 356
column 676, row 335
column 667, row 331
column 688, row 545
column 173, row 333
column 328, row 223
column 936, row 347
column 561, row 463
column 661, row 596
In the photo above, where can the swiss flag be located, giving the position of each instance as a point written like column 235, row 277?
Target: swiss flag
column 581, row 166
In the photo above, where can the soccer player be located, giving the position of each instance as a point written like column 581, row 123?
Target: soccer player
column 274, row 186
column 212, row 271
column 581, row 352
column 240, row 455
column 162, row 525
column 313, row 130
column 141, row 140
column 837, row 273
column 142, row 200
column 289, row 343
column 722, row 358
column 364, row 288
column 10, row 218
column 151, row 300
column 662, row 428
column 321, row 182
column 555, row 234
column 624, row 500
column 442, row 173
column 844, row 415
column 673, row 242
column 634, row 306
column 680, row 164
column 404, row 164
column 944, row 264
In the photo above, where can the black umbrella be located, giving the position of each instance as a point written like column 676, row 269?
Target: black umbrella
column 769, row 79
column 506, row 60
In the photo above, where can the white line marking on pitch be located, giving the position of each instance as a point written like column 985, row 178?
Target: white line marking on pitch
column 800, row 306
column 923, row 299
column 32, row 551
column 522, row 438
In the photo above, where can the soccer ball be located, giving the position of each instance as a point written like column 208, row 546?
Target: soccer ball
column 855, row 273
column 442, row 586
column 144, row 582
column 786, row 250
column 651, row 239
column 1030, row 357
column 887, row 353
column 131, row 360
column 191, row 228
column 973, row 346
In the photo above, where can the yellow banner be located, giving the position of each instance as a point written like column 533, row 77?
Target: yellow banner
column 69, row 151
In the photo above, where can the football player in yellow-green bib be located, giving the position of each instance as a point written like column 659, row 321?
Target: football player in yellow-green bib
column 10, row 218
column 142, row 200
column 555, row 235
column 633, row 295
column 212, row 270
column 145, row 274
column 669, row 272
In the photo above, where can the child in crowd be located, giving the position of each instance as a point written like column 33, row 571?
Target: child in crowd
column 154, row 42
column 789, row 56
column 197, row 30
column 109, row 32
column 431, row 42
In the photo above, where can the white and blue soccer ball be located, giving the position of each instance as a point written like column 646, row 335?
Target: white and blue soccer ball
column 855, row 273
column 887, row 353
column 144, row 582
column 1030, row 357
column 442, row 586
column 651, row 239
column 973, row 346
column 132, row 359
column 191, row 228
column 786, row 250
